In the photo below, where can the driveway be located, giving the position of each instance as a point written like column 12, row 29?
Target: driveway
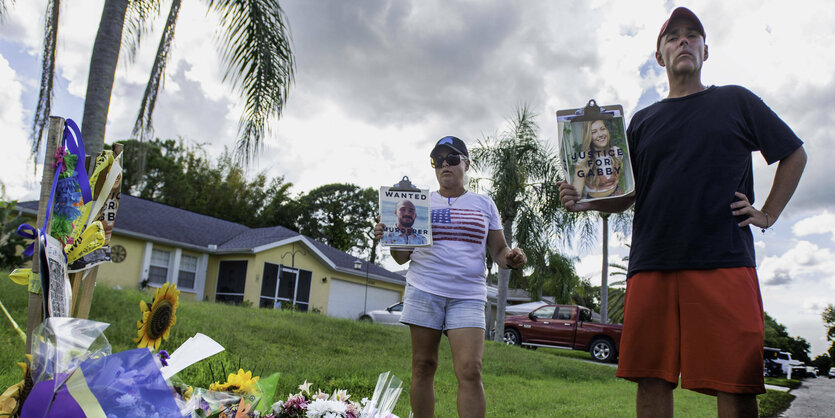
column 815, row 398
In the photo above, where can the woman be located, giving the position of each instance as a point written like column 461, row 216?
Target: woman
column 597, row 173
column 446, row 290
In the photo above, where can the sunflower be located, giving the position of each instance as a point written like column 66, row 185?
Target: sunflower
column 157, row 319
column 238, row 383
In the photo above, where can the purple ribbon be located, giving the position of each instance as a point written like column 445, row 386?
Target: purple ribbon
column 75, row 145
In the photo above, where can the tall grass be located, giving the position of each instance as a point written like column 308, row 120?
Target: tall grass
column 337, row 353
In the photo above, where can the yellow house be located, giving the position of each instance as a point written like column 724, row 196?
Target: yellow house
column 215, row 260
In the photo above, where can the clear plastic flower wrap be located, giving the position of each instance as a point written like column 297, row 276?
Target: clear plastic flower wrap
column 60, row 345
column 204, row 403
column 385, row 397
column 75, row 374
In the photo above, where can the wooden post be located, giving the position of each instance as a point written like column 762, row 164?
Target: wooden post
column 53, row 141
column 88, row 277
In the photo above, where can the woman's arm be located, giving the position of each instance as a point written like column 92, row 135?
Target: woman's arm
column 502, row 254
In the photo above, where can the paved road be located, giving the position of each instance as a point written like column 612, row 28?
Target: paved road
column 815, row 398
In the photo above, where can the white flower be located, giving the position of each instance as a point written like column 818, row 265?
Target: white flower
column 321, row 408
column 278, row 407
column 321, row 395
column 341, row 395
column 305, row 387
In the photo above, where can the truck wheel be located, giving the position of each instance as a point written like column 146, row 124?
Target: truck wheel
column 511, row 337
column 602, row 351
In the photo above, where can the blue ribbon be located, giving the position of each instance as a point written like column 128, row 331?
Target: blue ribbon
column 29, row 232
column 75, row 145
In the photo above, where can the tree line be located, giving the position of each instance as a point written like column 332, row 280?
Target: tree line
column 182, row 175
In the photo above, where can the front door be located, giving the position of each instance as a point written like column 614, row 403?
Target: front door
column 285, row 287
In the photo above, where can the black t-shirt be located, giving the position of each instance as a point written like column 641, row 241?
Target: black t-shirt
column 689, row 156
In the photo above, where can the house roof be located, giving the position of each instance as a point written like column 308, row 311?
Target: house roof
column 158, row 222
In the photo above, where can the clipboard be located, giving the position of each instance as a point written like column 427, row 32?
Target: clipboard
column 594, row 151
column 404, row 210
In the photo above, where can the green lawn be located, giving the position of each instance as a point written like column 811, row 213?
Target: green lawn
column 334, row 353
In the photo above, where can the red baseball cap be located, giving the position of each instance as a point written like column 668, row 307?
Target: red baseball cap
column 680, row 12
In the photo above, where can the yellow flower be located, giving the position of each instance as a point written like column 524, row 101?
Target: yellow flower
column 157, row 319
column 238, row 383
column 187, row 394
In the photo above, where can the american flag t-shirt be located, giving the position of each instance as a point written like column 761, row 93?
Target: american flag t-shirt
column 465, row 225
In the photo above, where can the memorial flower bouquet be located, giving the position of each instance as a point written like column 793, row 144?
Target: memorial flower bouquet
column 306, row 404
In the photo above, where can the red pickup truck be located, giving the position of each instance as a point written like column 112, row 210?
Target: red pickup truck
column 565, row 326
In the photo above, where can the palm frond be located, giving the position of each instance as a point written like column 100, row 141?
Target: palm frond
column 137, row 23
column 44, row 106
column 256, row 46
column 4, row 9
column 143, row 127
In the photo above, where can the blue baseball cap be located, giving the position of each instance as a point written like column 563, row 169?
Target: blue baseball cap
column 452, row 143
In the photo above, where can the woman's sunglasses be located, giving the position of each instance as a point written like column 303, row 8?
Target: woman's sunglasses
column 451, row 159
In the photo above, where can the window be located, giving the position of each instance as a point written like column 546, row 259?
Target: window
column 188, row 272
column 231, row 281
column 158, row 270
column 285, row 286
column 565, row 312
column 545, row 312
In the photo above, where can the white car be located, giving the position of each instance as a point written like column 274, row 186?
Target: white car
column 390, row 315
column 831, row 373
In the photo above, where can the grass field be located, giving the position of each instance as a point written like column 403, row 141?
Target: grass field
column 336, row 353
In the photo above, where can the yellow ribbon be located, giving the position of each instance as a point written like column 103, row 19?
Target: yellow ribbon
column 20, row 276
column 24, row 277
column 77, row 386
column 103, row 161
column 90, row 240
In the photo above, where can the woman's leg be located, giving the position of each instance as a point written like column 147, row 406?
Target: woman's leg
column 424, row 363
column 467, row 346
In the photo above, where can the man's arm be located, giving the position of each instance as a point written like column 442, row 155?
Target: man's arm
column 785, row 182
column 569, row 197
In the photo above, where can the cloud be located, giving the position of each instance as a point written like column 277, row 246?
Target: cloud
column 17, row 168
column 823, row 223
column 779, row 278
column 803, row 264
column 815, row 305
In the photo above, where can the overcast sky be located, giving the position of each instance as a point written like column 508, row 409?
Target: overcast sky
column 378, row 82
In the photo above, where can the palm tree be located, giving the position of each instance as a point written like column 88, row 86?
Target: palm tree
column 523, row 175
column 622, row 222
column 255, row 46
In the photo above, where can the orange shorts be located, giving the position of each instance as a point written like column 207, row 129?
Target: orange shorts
column 704, row 325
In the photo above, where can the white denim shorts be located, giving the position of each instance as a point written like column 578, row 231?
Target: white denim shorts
column 437, row 312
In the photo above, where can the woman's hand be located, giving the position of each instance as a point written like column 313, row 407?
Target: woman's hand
column 515, row 258
column 378, row 229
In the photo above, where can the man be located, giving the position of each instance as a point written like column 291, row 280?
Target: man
column 403, row 233
column 693, row 306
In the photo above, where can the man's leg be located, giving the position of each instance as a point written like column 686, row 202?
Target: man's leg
column 731, row 405
column 655, row 398
column 424, row 363
column 467, row 346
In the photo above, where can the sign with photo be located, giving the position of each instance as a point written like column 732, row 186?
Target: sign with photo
column 594, row 151
column 405, row 214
